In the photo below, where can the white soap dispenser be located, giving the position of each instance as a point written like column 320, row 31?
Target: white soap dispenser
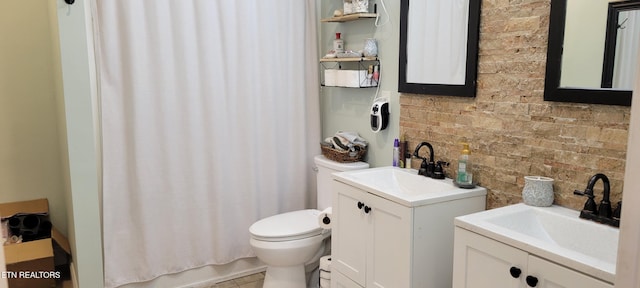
column 464, row 177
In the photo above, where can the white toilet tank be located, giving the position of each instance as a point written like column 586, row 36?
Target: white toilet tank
column 324, row 178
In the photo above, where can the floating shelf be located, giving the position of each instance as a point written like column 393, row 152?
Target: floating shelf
column 350, row 59
column 350, row 17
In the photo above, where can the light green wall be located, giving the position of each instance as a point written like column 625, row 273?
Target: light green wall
column 31, row 141
column 79, row 93
column 347, row 109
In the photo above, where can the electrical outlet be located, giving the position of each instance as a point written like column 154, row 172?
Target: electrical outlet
column 385, row 95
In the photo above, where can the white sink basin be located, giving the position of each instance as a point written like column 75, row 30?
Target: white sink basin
column 397, row 179
column 405, row 186
column 555, row 233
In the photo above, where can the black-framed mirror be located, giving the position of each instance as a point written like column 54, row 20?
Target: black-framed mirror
column 576, row 66
column 429, row 66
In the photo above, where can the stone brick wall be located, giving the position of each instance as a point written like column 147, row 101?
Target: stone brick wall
column 512, row 131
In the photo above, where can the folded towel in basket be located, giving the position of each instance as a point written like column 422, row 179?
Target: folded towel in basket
column 347, row 141
column 353, row 138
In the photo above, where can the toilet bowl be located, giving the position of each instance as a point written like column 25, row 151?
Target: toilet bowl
column 286, row 243
column 290, row 242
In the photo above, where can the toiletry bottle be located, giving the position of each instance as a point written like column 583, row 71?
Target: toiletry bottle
column 338, row 44
column 403, row 151
column 376, row 73
column 464, row 166
column 396, row 153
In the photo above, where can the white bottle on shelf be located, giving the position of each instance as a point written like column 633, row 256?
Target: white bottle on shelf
column 338, row 44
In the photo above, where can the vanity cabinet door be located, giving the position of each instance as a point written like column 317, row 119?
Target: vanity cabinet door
column 389, row 245
column 340, row 281
column 371, row 239
column 349, row 232
column 551, row 275
column 479, row 262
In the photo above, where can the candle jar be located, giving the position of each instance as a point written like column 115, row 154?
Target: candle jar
column 537, row 191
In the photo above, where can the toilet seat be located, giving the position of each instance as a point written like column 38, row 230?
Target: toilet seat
column 288, row 226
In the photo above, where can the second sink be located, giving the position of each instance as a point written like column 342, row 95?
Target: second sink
column 555, row 232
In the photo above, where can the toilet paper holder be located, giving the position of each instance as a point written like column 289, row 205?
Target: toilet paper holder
column 324, row 218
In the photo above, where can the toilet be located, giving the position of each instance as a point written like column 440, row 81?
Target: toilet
column 291, row 243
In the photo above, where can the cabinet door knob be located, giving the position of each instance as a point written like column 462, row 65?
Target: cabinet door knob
column 360, row 205
column 515, row 272
column 367, row 209
column 532, row 281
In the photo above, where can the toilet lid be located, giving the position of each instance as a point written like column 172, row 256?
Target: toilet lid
column 287, row 226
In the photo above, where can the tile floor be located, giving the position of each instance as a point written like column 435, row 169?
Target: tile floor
column 251, row 281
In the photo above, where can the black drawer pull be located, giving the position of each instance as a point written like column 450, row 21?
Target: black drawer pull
column 515, row 272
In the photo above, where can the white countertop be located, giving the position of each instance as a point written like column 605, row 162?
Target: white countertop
column 405, row 186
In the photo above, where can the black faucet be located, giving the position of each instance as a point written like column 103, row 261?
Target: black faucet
column 429, row 168
column 603, row 212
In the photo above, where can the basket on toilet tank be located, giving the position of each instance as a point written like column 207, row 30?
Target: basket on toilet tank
column 342, row 156
column 344, row 147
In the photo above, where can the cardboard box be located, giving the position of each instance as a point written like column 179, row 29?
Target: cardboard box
column 31, row 264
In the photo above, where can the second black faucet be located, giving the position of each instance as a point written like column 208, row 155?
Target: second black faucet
column 602, row 213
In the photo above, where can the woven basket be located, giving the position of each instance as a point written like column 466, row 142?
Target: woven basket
column 343, row 156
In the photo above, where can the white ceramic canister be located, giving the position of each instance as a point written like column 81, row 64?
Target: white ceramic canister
column 370, row 47
column 538, row 191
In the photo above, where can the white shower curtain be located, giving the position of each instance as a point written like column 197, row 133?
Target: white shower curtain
column 627, row 44
column 447, row 43
column 210, row 119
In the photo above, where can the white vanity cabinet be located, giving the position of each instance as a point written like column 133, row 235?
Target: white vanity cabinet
column 481, row 262
column 380, row 240
column 370, row 234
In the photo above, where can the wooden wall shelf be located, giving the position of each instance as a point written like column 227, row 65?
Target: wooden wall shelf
column 350, row 17
column 350, row 59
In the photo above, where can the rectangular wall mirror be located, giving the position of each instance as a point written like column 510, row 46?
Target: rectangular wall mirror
column 592, row 51
column 439, row 47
